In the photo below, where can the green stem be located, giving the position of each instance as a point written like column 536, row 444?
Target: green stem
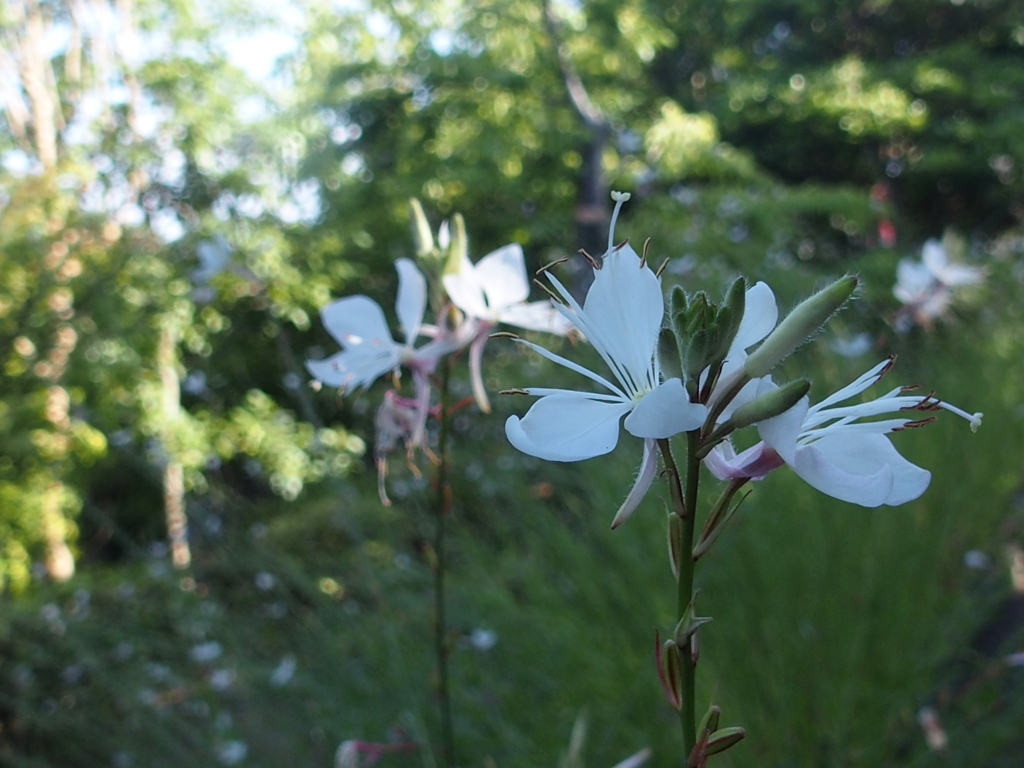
column 685, row 505
column 440, row 622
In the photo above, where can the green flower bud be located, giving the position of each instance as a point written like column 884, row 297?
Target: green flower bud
column 675, row 542
column 458, row 251
column 421, row 234
column 778, row 400
column 722, row 739
column 668, row 354
column 799, row 326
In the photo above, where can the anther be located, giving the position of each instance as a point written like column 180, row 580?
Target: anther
column 546, row 267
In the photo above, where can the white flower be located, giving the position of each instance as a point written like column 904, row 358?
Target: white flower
column 831, row 449
column 621, row 317
column 368, row 350
column 493, row 291
column 926, row 286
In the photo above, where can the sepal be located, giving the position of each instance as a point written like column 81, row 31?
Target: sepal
column 689, row 623
column 675, row 542
column 670, row 670
column 719, row 517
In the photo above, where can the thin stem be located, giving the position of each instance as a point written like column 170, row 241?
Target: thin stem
column 684, row 506
column 440, row 623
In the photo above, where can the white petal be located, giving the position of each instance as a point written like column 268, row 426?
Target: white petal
column 861, row 383
column 465, row 292
column 502, row 275
column 648, row 469
column 759, row 317
column 412, row 298
column 573, row 367
column 476, row 352
column 914, row 281
column 934, row 257
column 355, row 367
column 356, row 320
column 781, row 432
column 665, row 411
column 536, row 316
column 867, row 490
column 624, row 309
column 567, row 427
column 862, row 469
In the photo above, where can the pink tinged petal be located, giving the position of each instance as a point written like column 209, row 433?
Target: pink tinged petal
column 864, row 469
column 357, row 366
column 648, row 469
column 754, row 463
column 502, row 275
column 412, row 298
column 357, row 320
column 476, row 351
column 567, row 427
column 536, row 316
column 781, row 432
column 665, row 411
column 465, row 292
column 624, row 307
column 760, row 315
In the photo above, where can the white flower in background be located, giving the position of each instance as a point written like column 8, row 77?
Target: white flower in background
column 492, row 291
column 926, row 287
column 833, row 450
column 368, row 350
column 232, row 752
column 621, row 317
column 284, row 671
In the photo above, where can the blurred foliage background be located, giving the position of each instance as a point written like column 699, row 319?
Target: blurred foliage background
column 195, row 565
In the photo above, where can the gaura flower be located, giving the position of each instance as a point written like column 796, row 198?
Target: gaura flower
column 831, row 449
column 493, row 291
column 926, row 287
column 368, row 350
column 621, row 317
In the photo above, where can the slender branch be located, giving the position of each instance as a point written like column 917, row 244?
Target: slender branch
column 440, row 622
column 684, row 505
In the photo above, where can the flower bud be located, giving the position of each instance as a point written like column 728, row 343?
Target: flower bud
column 458, row 251
column 736, row 304
column 421, row 234
column 675, row 542
column 799, row 326
column 771, row 403
column 668, row 354
column 722, row 739
column 710, row 720
column 670, row 670
column 676, row 302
